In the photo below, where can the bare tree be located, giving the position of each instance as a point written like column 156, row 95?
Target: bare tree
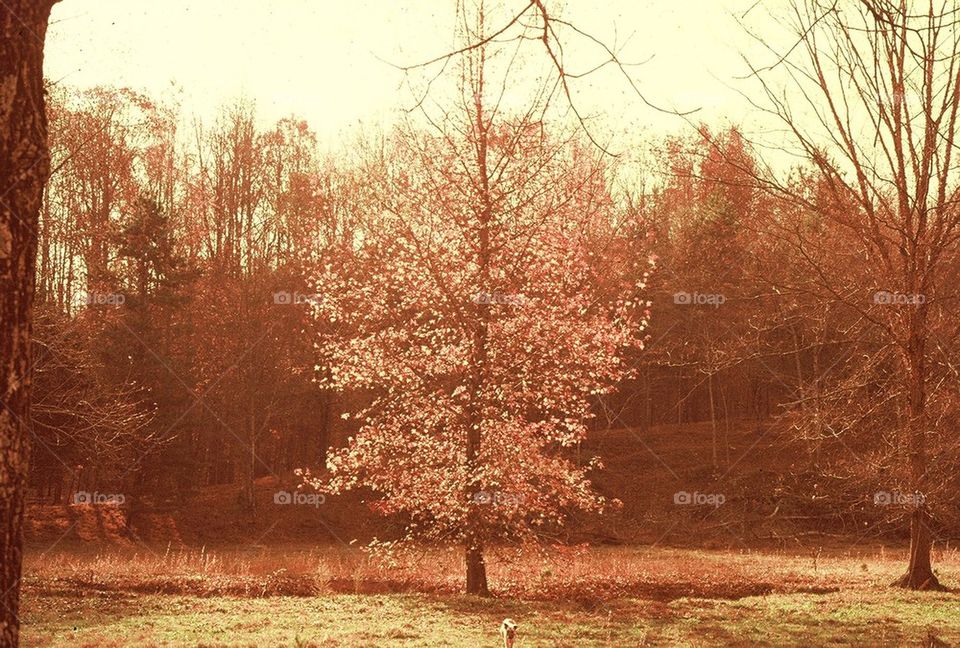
column 542, row 22
column 871, row 97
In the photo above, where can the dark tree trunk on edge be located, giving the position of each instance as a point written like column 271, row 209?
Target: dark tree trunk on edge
column 24, row 168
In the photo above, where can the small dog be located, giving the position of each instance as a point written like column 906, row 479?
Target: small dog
column 508, row 630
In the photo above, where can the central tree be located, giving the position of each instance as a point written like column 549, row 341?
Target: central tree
column 490, row 296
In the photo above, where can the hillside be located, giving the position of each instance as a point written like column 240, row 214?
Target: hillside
column 648, row 471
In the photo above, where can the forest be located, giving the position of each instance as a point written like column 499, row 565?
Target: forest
column 483, row 375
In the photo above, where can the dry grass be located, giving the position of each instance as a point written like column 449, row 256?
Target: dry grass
column 309, row 596
column 557, row 573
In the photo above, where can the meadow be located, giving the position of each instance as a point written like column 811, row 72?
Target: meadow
column 302, row 595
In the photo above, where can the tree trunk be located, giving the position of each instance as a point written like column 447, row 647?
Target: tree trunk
column 476, row 571
column 713, row 421
column 919, row 574
column 647, row 403
column 473, row 542
column 246, row 471
column 679, row 396
column 726, row 426
column 24, row 168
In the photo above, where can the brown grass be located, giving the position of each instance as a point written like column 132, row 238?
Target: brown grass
column 557, row 573
column 565, row 597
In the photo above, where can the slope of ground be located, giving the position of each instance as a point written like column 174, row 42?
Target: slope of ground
column 673, row 491
column 670, row 487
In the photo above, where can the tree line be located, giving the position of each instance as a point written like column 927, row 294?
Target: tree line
column 198, row 293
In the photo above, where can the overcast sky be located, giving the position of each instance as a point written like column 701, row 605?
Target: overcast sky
column 329, row 62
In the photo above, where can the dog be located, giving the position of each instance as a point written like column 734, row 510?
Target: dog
column 508, row 630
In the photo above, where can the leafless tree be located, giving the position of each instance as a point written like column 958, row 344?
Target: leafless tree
column 542, row 22
column 869, row 91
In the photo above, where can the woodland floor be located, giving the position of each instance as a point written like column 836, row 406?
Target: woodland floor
column 309, row 596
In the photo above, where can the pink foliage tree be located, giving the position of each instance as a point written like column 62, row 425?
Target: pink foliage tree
column 492, row 295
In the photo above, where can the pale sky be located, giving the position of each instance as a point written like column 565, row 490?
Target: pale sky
column 326, row 61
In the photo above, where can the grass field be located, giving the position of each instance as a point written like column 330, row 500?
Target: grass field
column 300, row 596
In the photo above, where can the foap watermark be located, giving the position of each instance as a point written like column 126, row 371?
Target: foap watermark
column 287, row 298
column 887, row 298
column 497, row 298
column 299, row 499
column 497, row 498
column 684, row 498
column 698, row 299
column 889, row 498
column 104, row 299
column 99, row 499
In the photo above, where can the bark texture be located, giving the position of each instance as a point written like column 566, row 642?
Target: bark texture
column 24, row 168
